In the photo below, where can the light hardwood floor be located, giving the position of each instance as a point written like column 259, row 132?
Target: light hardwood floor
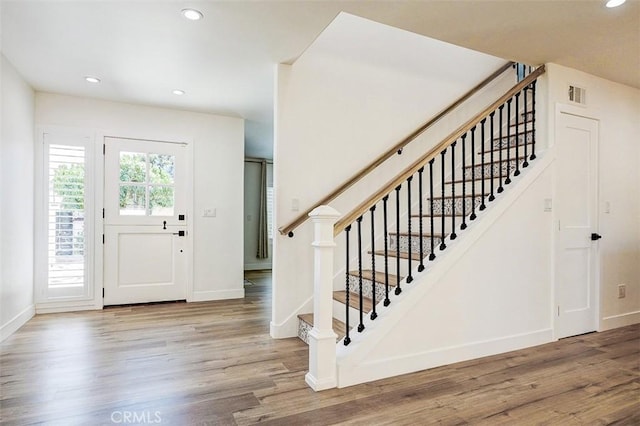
column 215, row 364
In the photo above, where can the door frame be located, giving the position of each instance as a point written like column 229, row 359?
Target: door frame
column 582, row 113
column 100, row 140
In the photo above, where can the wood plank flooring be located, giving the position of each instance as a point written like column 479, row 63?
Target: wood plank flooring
column 215, row 364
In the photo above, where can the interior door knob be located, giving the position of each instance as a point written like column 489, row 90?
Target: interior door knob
column 595, row 237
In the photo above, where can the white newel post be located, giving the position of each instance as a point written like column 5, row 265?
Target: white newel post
column 322, row 339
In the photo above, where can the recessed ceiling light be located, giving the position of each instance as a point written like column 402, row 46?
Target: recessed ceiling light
column 92, row 79
column 178, row 92
column 192, row 14
column 614, row 3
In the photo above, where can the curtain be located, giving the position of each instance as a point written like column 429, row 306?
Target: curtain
column 263, row 227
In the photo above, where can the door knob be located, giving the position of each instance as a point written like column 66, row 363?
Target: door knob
column 595, row 237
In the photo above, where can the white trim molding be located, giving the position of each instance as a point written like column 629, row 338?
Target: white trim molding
column 621, row 320
column 16, row 322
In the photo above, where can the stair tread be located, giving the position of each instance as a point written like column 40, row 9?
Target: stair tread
column 523, row 122
column 460, row 195
column 504, row 148
column 338, row 326
column 354, row 302
column 437, row 215
column 403, row 254
column 368, row 274
column 416, row 234
column 479, row 178
column 496, row 161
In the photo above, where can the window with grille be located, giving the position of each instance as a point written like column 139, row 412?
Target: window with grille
column 146, row 184
column 66, row 217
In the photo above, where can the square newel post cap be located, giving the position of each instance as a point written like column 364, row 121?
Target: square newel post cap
column 324, row 213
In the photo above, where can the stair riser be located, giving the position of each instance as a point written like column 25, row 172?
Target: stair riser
column 392, row 267
column 303, row 331
column 339, row 313
column 403, row 241
column 437, row 223
column 451, row 205
column 486, row 171
column 523, row 138
column 367, row 285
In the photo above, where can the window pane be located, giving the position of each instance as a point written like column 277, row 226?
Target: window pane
column 161, row 200
column 65, row 228
column 133, row 200
column 133, row 167
column 161, row 168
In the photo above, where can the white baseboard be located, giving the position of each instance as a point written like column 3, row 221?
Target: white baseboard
column 257, row 266
column 620, row 320
column 284, row 330
column 289, row 327
column 209, row 295
column 58, row 307
column 16, row 322
column 349, row 375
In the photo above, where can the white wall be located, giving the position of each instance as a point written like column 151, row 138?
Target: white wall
column 357, row 91
column 16, row 205
column 218, row 154
column 251, row 215
column 617, row 108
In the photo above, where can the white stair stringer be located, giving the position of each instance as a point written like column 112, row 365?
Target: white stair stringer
column 400, row 341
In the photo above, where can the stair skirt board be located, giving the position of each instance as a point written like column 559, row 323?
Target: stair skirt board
column 350, row 374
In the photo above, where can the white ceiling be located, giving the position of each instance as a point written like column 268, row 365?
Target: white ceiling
column 142, row 49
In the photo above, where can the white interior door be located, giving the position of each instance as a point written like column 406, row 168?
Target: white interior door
column 145, row 221
column 576, row 261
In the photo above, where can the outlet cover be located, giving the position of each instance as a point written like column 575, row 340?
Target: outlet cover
column 622, row 291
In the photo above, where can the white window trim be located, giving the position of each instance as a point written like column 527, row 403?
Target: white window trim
column 89, row 300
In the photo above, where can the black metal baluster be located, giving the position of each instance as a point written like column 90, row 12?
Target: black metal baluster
column 473, row 174
column 508, row 168
column 500, row 188
column 409, row 248
column 374, row 315
column 525, row 120
column 483, row 142
column 463, row 225
column 533, row 120
column 442, row 160
column 347, row 339
column 360, row 301
column 453, row 191
column 517, row 171
column 491, row 133
column 386, row 251
column 420, row 233
column 432, row 255
column 398, row 289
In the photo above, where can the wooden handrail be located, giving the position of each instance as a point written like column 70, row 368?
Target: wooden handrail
column 302, row 217
column 422, row 161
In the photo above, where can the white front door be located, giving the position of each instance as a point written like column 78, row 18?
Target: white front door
column 145, row 221
column 576, row 206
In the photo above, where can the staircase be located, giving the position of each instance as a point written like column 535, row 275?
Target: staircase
column 483, row 169
column 391, row 237
column 457, row 209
